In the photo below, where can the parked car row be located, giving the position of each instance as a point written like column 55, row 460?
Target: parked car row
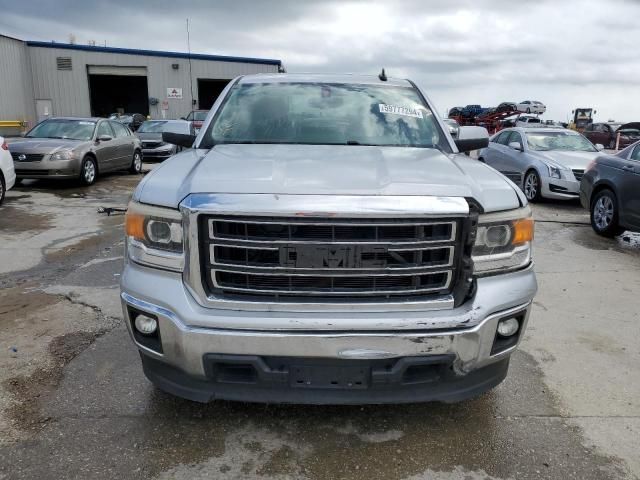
column 557, row 163
column 83, row 148
column 607, row 133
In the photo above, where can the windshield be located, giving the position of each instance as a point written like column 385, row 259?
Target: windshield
column 544, row 141
column 61, row 128
column 151, row 127
column 197, row 116
column 325, row 114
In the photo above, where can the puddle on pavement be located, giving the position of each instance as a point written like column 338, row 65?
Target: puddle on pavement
column 20, row 301
column 627, row 242
column 15, row 219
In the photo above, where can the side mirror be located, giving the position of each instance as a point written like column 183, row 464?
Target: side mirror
column 180, row 139
column 599, row 147
column 472, row 138
column 182, row 118
column 105, row 138
column 515, row 146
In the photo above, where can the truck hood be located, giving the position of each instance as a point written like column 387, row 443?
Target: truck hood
column 326, row 170
column 570, row 160
column 42, row 145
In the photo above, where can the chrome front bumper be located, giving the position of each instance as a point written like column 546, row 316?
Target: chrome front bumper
column 189, row 331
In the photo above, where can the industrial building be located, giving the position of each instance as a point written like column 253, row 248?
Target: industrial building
column 44, row 79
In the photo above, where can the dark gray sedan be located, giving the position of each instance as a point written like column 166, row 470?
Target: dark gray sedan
column 610, row 189
column 150, row 134
column 78, row 148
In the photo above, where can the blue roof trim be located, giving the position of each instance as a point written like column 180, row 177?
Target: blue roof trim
column 154, row 53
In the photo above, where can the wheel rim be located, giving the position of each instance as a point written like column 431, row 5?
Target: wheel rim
column 137, row 162
column 1, row 190
column 603, row 213
column 89, row 171
column 531, row 186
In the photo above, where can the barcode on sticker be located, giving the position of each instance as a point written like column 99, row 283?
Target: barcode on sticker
column 396, row 110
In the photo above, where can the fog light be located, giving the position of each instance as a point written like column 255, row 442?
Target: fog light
column 508, row 327
column 146, row 325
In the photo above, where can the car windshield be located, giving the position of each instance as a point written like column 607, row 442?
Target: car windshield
column 124, row 118
column 64, row 128
column 544, row 141
column 325, row 114
column 633, row 132
column 197, row 116
column 152, row 127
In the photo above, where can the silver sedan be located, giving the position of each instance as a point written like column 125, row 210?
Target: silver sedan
column 544, row 162
column 78, row 148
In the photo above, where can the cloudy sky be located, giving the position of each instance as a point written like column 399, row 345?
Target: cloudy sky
column 564, row 53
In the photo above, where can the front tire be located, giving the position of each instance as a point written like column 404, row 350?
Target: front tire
column 532, row 186
column 136, row 163
column 89, row 171
column 3, row 188
column 612, row 145
column 604, row 214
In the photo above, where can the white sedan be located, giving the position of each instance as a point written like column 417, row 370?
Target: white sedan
column 7, row 172
column 532, row 106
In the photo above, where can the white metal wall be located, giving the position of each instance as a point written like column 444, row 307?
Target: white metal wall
column 16, row 90
column 69, row 90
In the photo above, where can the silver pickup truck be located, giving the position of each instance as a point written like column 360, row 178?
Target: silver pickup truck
column 325, row 242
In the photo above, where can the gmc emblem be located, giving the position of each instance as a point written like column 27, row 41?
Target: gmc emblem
column 333, row 257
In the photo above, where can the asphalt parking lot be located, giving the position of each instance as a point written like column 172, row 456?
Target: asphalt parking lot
column 75, row 404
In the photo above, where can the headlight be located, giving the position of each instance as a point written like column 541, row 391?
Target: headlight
column 503, row 241
column 154, row 236
column 554, row 172
column 62, row 155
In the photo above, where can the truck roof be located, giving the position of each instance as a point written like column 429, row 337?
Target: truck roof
column 322, row 78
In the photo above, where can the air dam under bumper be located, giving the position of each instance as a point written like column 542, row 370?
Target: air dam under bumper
column 448, row 363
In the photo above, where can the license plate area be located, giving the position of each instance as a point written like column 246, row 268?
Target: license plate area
column 330, row 377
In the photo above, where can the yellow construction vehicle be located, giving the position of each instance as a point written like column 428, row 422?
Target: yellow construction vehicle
column 582, row 117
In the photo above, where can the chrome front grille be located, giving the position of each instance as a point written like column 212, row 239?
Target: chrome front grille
column 578, row 174
column 26, row 157
column 324, row 257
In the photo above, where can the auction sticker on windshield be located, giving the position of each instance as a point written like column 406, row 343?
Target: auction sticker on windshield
column 396, row 110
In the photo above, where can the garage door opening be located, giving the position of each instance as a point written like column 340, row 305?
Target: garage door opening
column 124, row 93
column 208, row 91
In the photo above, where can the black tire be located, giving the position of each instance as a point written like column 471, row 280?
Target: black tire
column 531, row 186
column 136, row 163
column 604, row 214
column 3, row 189
column 612, row 145
column 89, row 171
column 528, row 110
